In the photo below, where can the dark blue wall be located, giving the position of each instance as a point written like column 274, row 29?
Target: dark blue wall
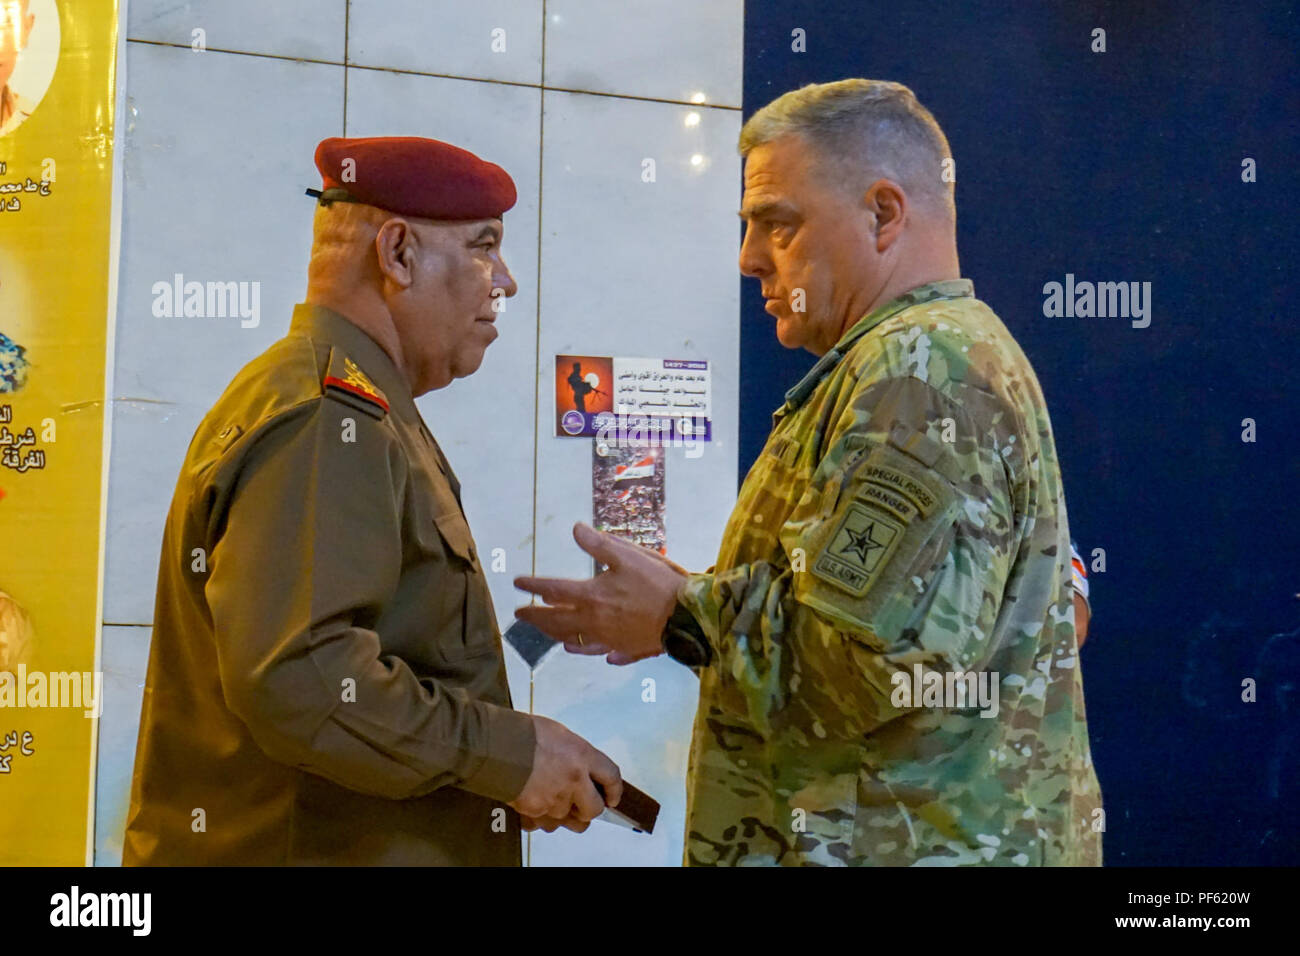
column 1126, row 166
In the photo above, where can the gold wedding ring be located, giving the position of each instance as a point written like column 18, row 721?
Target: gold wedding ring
column 580, row 644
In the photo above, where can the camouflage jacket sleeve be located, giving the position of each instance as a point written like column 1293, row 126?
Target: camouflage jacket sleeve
column 896, row 554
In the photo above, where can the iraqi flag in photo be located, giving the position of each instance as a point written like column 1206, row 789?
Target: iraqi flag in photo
column 640, row 469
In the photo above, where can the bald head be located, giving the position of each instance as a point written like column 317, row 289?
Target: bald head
column 343, row 244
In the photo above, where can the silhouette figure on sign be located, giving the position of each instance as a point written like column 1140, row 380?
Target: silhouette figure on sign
column 583, row 386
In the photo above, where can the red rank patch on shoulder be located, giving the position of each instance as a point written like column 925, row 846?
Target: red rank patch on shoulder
column 353, row 380
column 365, row 393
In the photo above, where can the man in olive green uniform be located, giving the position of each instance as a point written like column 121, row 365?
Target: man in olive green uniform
column 326, row 681
column 886, row 646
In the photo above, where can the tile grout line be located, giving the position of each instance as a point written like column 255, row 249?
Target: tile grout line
column 537, row 356
column 347, row 17
column 537, row 333
column 449, row 76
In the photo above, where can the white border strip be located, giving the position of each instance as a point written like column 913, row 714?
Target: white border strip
column 110, row 350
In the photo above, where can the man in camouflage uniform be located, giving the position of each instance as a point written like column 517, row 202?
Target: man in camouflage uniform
column 902, row 537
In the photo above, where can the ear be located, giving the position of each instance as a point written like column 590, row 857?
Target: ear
column 395, row 251
column 887, row 200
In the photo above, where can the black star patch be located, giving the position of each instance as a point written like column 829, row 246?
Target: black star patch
column 859, row 548
column 861, row 542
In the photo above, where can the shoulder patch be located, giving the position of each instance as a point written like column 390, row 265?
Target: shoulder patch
column 862, row 557
column 345, row 379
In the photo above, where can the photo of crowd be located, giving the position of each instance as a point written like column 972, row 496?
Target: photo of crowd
column 628, row 492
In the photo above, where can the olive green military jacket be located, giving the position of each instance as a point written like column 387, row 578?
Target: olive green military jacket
column 895, row 676
column 326, row 681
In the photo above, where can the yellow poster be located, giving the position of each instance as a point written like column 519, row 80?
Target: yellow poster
column 57, row 86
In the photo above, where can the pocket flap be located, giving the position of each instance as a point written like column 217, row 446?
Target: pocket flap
column 455, row 531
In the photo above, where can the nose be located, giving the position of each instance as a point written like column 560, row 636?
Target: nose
column 504, row 280
column 753, row 258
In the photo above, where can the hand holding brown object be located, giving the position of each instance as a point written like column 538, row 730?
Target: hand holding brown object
column 560, row 787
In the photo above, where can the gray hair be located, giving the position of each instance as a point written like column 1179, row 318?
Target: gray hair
column 863, row 130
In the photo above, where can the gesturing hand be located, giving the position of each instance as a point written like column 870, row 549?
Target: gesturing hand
column 621, row 611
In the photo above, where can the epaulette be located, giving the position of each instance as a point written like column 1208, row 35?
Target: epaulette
column 345, row 381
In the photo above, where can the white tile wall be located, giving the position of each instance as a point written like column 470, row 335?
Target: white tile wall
column 125, row 659
column 310, row 29
column 218, row 149
column 483, row 39
column 668, row 49
column 213, row 189
column 648, row 738
column 634, row 268
column 479, row 421
column 638, row 268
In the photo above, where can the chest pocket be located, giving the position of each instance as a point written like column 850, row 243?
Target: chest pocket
column 454, row 530
column 465, row 623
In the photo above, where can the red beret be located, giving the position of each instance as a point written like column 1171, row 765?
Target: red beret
column 413, row 176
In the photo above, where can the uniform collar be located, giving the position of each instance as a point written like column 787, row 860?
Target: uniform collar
column 325, row 325
column 943, row 289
